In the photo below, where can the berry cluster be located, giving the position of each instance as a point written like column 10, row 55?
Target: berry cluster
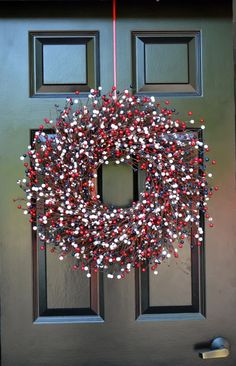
column 61, row 174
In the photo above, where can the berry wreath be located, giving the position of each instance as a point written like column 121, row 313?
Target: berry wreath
column 61, row 188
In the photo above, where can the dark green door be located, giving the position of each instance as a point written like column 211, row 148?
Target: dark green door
column 52, row 315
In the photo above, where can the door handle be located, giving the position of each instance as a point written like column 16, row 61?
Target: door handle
column 219, row 348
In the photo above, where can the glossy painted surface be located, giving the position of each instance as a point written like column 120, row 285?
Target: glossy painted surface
column 61, row 62
column 166, row 69
column 64, row 64
column 121, row 339
column 117, row 185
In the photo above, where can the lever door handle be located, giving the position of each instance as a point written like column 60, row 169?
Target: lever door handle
column 220, row 348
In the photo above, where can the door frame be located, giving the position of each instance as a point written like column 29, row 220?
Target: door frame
column 222, row 3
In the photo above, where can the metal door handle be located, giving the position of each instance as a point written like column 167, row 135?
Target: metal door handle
column 220, row 348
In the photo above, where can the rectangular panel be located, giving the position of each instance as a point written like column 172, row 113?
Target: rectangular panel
column 64, row 64
column 61, row 294
column 66, row 288
column 173, row 285
column 178, row 290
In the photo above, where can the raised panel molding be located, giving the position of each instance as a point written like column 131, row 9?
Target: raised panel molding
column 195, row 310
column 44, row 313
column 167, row 63
column 148, row 309
column 62, row 62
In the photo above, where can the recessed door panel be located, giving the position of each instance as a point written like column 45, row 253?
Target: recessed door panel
column 65, row 288
column 176, row 277
column 64, row 64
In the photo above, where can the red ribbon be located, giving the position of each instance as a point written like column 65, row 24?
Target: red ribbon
column 114, row 42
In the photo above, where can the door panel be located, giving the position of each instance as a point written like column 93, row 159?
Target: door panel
column 65, row 288
column 62, row 62
column 155, row 69
column 176, row 274
column 52, row 314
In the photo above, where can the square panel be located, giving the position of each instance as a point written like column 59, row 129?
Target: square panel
column 162, row 68
column 63, row 62
column 167, row 63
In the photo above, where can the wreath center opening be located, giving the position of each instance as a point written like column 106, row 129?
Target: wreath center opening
column 117, row 184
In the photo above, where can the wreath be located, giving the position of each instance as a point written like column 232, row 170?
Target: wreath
column 61, row 188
